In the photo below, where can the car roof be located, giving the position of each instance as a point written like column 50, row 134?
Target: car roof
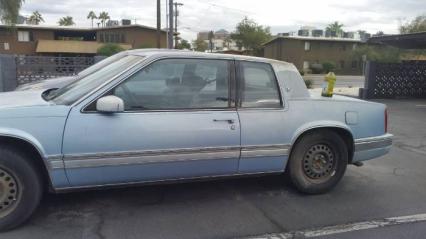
column 188, row 53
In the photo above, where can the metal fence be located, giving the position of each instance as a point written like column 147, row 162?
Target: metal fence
column 35, row 68
column 395, row 80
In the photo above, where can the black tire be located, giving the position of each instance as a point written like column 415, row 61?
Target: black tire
column 318, row 162
column 21, row 187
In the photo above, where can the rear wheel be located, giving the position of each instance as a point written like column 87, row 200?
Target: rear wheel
column 318, row 162
column 20, row 189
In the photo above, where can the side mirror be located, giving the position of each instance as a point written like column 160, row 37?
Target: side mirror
column 110, row 104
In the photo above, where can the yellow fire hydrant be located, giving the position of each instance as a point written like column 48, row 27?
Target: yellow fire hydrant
column 328, row 85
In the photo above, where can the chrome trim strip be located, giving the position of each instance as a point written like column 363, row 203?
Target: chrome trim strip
column 373, row 142
column 55, row 162
column 148, row 157
column 164, row 156
column 264, row 151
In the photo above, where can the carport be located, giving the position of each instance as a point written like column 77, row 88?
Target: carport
column 403, row 41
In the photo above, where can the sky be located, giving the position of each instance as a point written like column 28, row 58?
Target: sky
column 205, row 15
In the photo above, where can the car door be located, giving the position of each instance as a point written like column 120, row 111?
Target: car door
column 262, row 118
column 179, row 122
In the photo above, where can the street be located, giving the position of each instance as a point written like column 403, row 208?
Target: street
column 391, row 186
column 342, row 80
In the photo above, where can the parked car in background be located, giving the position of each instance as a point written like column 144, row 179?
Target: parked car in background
column 156, row 116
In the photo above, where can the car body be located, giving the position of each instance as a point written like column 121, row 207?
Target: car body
column 57, row 82
column 156, row 116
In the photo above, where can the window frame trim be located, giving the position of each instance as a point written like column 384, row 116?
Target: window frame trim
column 240, row 80
column 231, row 83
column 25, row 31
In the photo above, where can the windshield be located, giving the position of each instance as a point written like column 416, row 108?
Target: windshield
column 101, row 64
column 74, row 91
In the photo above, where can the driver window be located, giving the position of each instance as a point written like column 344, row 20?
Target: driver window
column 177, row 84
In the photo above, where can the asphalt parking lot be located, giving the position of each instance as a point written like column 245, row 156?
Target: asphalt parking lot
column 391, row 186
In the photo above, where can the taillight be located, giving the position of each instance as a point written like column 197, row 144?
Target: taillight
column 386, row 120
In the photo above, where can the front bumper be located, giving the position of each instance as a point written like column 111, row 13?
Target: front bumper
column 373, row 147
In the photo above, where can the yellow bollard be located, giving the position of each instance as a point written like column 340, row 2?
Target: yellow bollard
column 328, row 85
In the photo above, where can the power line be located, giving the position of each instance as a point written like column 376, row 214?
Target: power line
column 228, row 8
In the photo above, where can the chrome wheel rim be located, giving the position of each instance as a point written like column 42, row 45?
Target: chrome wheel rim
column 9, row 193
column 319, row 162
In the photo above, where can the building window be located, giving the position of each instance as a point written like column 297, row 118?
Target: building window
column 354, row 64
column 342, row 64
column 307, row 46
column 6, row 46
column 111, row 37
column 23, row 36
column 306, row 65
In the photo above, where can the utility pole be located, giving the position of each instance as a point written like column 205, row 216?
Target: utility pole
column 170, row 36
column 211, row 36
column 176, row 23
column 158, row 23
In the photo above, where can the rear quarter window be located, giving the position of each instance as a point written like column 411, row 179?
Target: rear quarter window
column 259, row 87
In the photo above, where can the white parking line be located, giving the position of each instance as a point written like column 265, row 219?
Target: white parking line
column 331, row 230
column 420, row 105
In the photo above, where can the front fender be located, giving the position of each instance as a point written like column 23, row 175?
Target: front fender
column 22, row 135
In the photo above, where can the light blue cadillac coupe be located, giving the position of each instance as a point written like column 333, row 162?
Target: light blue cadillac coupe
column 160, row 116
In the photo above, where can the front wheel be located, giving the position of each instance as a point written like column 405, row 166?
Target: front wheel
column 20, row 189
column 318, row 162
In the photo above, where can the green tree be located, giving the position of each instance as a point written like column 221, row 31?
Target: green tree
column 36, row 18
column 251, row 36
column 184, row 44
column 109, row 49
column 227, row 41
column 92, row 16
column 416, row 25
column 9, row 11
column 66, row 21
column 145, row 46
column 335, row 27
column 328, row 67
column 380, row 33
column 200, row 45
column 104, row 16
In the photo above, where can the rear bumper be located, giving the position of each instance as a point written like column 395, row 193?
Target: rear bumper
column 373, row 147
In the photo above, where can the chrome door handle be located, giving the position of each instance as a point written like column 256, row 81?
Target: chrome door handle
column 230, row 121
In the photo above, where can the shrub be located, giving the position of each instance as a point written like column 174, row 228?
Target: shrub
column 145, row 46
column 302, row 72
column 309, row 83
column 328, row 66
column 109, row 49
column 317, row 68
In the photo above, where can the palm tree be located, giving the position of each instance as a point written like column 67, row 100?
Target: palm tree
column 92, row 16
column 104, row 17
column 66, row 21
column 36, row 18
column 9, row 11
column 335, row 27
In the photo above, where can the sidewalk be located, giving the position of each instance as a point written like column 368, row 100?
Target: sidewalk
column 348, row 91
